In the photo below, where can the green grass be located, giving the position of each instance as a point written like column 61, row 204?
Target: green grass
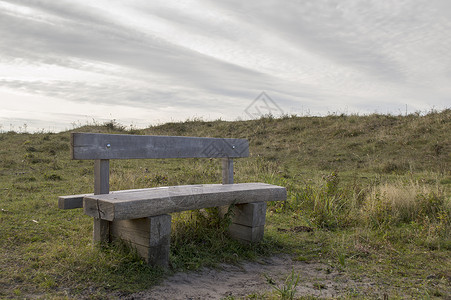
column 287, row 290
column 375, row 190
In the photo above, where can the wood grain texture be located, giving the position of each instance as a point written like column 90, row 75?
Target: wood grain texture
column 164, row 200
column 101, row 231
column 145, row 231
column 246, row 234
column 136, row 231
column 149, row 236
column 121, row 146
column 71, row 201
column 227, row 171
column 76, row 201
column 250, row 214
column 101, row 176
column 101, row 227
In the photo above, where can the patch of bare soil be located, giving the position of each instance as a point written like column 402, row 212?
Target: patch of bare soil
column 250, row 278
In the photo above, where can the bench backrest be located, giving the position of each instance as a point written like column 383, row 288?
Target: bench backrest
column 103, row 147
column 121, row 146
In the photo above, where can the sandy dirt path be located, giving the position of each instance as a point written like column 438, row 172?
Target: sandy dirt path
column 237, row 281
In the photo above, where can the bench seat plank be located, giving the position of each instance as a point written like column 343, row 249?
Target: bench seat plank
column 164, row 200
column 76, row 201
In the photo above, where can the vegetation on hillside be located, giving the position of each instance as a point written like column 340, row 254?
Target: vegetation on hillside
column 368, row 195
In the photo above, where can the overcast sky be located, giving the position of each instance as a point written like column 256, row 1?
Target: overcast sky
column 66, row 63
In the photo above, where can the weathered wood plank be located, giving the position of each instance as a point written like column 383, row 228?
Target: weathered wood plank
column 149, row 236
column 100, row 231
column 76, row 201
column 101, row 176
column 101, row 227
column 119, row 146
column 227, row 171
column 250, row 214
column 71, row 201
column 164, row 200
column 135, row 230
column 246, row 233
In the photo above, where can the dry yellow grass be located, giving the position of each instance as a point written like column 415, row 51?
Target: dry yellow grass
column 404, row 202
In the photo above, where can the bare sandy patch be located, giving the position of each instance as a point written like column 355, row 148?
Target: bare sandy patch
column 316, row 279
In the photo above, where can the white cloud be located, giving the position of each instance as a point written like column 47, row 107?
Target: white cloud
column 143, row 61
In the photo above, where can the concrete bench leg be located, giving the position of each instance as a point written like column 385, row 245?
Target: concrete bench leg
column 150, row 237
column 248, row 222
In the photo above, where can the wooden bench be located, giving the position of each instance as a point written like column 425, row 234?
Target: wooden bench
column 141, row 217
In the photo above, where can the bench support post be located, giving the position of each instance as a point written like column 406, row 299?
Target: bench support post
column 150, row 237
column 227, row 171
column 101, row 230
column 248, row 222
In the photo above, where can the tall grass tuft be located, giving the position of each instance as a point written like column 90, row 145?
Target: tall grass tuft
column 287, row 290
column 396, row 203
column 327, row 204
column 424, row 207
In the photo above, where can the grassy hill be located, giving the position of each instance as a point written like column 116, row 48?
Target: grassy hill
column 376, row 190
